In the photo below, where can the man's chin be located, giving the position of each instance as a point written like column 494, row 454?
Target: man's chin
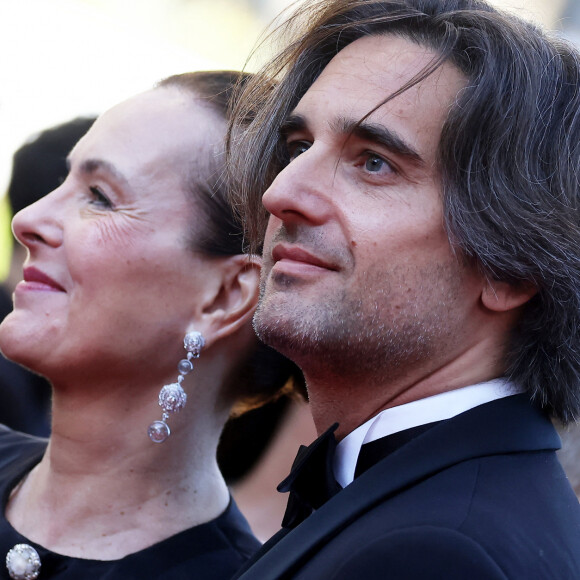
column 277, row 327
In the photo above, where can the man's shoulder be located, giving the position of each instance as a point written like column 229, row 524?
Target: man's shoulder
column 426, row 551
column 524, row 495
column 476, row 519
column 498, row 499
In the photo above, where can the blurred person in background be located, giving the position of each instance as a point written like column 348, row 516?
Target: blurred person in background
column 256, row 452
column 38, row 167
column 136, row 304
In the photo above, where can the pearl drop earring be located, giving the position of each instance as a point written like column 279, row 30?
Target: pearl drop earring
column 172, row 398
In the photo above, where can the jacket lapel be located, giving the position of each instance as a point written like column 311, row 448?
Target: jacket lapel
column 507, row 425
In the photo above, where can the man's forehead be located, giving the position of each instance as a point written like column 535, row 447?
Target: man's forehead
column 371, row 69
column 380, row 65
column 400, row 55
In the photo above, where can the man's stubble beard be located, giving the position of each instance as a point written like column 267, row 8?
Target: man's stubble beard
column 390, row 325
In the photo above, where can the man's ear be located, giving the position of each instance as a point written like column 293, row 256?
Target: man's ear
column 233, row 304
column 502, row 296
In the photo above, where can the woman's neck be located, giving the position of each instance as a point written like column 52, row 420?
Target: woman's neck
column 103, row 489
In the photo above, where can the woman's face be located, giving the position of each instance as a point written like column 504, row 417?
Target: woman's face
column 110, row 285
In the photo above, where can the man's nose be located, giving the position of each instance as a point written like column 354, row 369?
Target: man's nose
column 303, row 191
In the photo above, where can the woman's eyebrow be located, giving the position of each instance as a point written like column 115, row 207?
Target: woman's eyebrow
column 91, row 166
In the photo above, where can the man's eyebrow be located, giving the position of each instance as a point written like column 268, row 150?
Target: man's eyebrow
column 361, row 130
column 90, row 166
column 378, row 134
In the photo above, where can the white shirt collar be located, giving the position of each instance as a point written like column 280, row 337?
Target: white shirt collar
column 435, row 408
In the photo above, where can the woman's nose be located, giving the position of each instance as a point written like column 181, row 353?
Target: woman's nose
column 39, row 224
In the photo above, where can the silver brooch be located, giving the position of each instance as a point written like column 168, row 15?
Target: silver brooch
column 23, row 562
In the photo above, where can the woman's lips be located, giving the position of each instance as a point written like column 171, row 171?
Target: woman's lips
column 35, row 279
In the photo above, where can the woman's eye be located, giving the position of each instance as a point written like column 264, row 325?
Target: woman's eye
column 99, row 198
column 376, row 164
column 297, row 148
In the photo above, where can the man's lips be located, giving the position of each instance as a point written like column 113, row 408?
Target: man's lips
column 35, row 279
column 298, row 256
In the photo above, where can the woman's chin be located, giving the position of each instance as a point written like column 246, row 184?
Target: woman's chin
column 17, row 343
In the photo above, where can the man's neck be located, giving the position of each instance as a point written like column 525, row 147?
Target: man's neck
column 353, row 400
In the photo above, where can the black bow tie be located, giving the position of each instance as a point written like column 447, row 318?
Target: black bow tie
column 311, row 481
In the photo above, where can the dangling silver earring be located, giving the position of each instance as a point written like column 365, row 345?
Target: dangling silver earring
column 172, row 398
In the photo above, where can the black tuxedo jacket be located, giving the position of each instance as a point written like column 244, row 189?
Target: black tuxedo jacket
column 478, row 496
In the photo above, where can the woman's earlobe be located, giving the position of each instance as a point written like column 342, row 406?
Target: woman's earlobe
column 503, row 296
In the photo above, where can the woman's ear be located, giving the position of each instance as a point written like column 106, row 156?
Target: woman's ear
column 502, row 296
column 235, row 301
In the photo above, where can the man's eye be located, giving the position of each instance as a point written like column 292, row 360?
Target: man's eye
column 99, row 198
column 375, row 164
column 297, row 148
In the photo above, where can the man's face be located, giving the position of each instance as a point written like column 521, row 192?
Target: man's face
column 359, row 276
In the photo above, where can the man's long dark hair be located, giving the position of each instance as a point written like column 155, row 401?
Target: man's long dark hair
column 509, row 157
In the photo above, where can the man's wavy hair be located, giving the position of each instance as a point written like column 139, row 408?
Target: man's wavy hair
column 509, row 157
